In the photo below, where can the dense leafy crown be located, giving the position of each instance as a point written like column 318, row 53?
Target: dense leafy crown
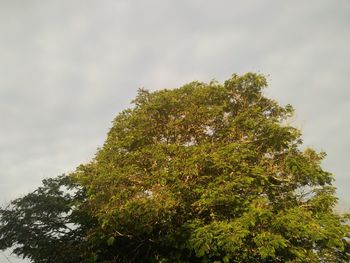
column 209, row 172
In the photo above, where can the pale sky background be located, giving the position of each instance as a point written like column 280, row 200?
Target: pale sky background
column 68, row 67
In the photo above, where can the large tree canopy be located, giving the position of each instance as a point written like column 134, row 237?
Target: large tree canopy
column 202, row 173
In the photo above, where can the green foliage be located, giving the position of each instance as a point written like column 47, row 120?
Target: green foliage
column 208, row 173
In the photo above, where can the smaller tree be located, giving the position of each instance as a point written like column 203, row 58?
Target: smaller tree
column 49, row 224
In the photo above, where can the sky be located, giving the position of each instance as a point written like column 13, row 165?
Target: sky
column 68, row 67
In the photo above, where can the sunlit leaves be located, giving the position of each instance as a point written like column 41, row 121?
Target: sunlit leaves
column 216, row 167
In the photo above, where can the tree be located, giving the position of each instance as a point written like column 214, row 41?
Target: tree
column 45, row 225
column 205, row 173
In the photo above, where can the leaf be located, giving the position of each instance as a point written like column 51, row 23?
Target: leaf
column 110, row 241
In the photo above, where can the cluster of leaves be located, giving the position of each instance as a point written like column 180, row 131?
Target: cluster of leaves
column 202, row 173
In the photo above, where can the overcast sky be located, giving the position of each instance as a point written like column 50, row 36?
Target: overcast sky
column 68, row 67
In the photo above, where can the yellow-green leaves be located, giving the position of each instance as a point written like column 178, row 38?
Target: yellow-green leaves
column 212, row 172
column 267, row 243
